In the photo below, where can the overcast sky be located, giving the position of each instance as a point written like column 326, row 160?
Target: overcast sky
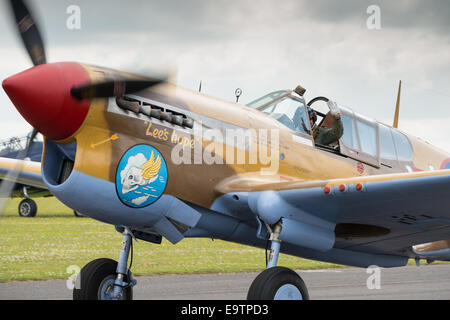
column 261, row 46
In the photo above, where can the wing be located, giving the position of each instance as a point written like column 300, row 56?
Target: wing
column 151, row 167
column 379, row 215
column 29, row 172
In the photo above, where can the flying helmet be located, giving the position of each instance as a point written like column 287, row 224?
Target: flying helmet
column 312, row 114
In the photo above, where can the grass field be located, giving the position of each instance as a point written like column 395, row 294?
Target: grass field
column 45, row 247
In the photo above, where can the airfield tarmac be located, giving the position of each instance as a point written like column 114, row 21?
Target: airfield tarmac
column 406, row 283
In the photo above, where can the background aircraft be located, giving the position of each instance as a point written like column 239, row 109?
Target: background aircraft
column 122, row 148
column 11, row 148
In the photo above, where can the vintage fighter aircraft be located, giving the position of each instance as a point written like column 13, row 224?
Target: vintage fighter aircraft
column 10, row 148
column 23, row 187
column 156, row 160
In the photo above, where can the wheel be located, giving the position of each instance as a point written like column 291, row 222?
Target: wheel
column 78, row 214
column 97, row 281
column 278, row 283
column 27, row 208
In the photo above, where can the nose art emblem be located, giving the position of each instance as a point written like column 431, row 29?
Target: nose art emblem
column 141, row 176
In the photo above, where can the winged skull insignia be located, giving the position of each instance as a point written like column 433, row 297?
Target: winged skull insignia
column 142, row 175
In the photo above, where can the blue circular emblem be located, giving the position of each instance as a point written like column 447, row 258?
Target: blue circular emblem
column 141, row 176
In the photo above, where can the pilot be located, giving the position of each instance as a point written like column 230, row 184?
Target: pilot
column 323, row 135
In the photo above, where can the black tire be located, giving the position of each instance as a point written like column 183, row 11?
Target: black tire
column 92, row 277
column 27, row 208
column 273, row 282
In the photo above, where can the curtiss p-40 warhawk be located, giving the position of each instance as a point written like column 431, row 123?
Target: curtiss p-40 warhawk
column 156, row 160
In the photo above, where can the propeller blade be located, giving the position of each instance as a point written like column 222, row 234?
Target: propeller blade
column 8, row 183
column 30, row 142
column 29, row 32
column 112, row 88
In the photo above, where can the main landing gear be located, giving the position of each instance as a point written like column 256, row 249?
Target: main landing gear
column 106, row 279
column 277, row 283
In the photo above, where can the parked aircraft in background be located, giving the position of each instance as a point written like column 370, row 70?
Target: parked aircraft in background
column 11, row 148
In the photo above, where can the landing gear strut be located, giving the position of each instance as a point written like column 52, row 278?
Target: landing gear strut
column 106, row 279
column 277, row 283
column 78, row 214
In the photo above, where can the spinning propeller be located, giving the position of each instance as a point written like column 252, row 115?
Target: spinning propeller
column 55, row 97
column 29, row 32
column 113, row 88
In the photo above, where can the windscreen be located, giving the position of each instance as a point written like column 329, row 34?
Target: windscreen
column 290, row 112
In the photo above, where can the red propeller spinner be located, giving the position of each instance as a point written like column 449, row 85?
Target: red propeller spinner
column 42, row 96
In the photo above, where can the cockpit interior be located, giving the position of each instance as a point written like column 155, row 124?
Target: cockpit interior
column 364, row 139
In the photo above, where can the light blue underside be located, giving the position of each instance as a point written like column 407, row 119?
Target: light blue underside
column 309, row 215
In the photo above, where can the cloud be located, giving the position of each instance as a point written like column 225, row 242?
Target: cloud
column 261, row 47
column 134, row 161
column 140, row 200
column 426, row 16
column 14, row 129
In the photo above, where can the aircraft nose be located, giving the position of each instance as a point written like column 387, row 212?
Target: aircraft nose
column 42, row 96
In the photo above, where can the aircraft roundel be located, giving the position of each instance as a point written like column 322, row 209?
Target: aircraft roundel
column 445, row 164
column 141, row 176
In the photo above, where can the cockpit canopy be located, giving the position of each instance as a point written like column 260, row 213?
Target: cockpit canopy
column 364, row 139
column 290, row 112
column 256, row 104
column 285, row 108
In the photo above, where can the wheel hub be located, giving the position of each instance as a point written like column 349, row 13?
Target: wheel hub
column 106, row 289
column 25, row 208
column 288, row 292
